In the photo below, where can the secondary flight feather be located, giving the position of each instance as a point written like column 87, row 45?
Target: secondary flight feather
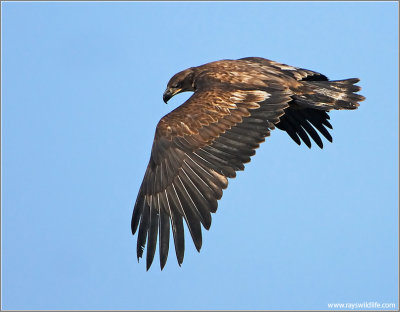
column 203, row 142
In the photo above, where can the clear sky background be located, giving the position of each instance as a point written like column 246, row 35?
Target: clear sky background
column 82, row 88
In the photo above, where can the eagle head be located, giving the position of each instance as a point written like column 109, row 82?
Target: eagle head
column 180, row 82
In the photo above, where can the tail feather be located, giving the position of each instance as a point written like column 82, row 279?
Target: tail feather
column 328, row 95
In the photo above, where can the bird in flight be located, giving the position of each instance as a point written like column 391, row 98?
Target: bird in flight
column 197, row 146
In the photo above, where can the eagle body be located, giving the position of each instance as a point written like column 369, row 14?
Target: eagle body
column 203, row 142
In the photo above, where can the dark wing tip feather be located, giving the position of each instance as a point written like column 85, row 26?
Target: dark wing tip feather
column 143, row 229
column 152, row 234
column 178, row 232
column 164, row 231
column 300, row 122
column 137, row 212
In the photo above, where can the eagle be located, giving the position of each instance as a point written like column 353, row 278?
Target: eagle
column 200, row 144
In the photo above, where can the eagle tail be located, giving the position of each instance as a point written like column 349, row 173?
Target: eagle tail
column 328, row 95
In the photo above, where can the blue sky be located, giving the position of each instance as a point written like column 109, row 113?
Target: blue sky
column 82, row 88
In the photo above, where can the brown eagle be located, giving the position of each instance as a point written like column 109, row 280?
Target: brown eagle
column 235, row 105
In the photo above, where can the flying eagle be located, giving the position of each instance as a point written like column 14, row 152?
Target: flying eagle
column 197, row 146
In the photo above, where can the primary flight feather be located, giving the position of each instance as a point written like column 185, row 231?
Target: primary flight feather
column 235, row 105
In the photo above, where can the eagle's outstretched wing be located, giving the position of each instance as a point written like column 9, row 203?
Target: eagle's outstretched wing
column 215, row 132
column 196, row 148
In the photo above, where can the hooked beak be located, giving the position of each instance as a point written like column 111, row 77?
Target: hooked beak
column 169, row 93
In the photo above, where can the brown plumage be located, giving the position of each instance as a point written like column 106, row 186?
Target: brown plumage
column 215, row 132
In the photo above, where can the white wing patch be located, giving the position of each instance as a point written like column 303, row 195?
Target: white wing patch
column 249, row 98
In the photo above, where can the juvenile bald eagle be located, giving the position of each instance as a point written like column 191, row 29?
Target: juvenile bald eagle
column 235, row 105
